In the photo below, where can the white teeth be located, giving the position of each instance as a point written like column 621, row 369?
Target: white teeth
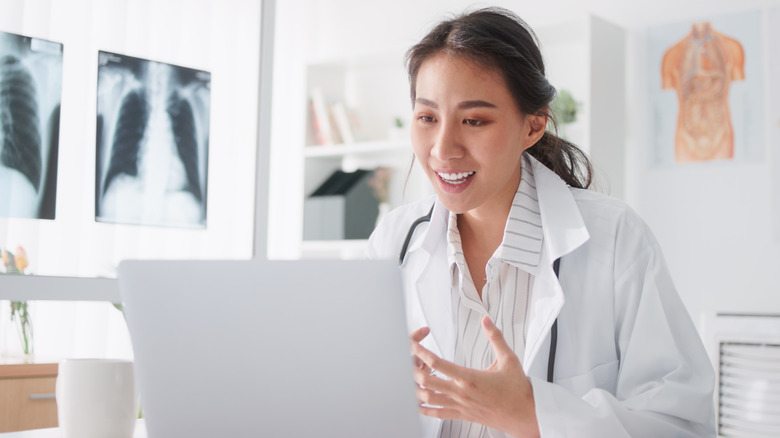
column 455, row 178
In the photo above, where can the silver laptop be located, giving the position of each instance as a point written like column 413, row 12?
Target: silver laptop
column 270, row 348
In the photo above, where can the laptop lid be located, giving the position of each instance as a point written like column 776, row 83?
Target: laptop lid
column 270, row 348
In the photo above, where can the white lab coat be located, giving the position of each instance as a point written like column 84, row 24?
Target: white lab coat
column 629, row 361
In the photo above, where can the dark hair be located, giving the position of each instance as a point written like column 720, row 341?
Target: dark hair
column 500, row 40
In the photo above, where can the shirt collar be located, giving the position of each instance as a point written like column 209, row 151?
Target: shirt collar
column 523, row 235
column 563, row 231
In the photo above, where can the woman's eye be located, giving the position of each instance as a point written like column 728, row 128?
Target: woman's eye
column 426, row 119
column 472, row 122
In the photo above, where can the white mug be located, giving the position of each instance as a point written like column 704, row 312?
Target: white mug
column 96, row 398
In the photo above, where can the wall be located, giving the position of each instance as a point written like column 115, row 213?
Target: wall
column 713, row 221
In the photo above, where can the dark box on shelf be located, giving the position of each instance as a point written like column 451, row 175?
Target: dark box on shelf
column 343, row 207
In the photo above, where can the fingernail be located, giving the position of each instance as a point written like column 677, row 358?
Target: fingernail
column 487, row 322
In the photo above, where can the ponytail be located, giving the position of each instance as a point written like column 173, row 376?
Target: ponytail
column 565, row 159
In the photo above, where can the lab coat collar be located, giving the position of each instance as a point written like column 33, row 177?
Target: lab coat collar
column 563, row 227
column 429, row 240
column 564, row 231
column 432, row 281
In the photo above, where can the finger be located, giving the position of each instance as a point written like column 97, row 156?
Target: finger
column 435, row 362
column 496, row 338
column 419, row 334
column 419, row 364
column 433, row 398
column 435, row 383
column 443, row 413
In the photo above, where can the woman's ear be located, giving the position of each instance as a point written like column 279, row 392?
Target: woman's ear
column 536, row 126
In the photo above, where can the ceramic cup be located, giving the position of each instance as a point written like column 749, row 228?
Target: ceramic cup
column 96, row 398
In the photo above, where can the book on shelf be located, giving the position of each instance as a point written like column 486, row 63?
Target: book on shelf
column 323, row 131
column 341, row 122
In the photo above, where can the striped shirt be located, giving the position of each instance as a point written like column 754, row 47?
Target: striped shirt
column 505, row 294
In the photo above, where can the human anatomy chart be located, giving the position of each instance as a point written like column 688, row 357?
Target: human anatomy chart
column 152, row 142
column 30, row 95
column 705, row 90
column 700, row 69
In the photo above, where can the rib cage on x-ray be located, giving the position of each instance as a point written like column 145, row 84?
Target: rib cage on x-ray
column 129, row 132
column 20, row 120
column 133, row 115
column 30, row 96
column 148, row 112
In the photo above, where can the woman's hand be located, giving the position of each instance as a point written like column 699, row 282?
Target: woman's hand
column 499, row 397
column 416, row 337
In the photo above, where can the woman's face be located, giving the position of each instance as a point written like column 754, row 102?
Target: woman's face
column 468, row 134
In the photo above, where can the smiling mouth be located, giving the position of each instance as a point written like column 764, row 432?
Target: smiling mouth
column 455, row 178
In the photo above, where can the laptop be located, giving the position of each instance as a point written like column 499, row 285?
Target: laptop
column 270, row 348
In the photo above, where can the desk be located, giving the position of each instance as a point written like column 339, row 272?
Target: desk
column 56, row 432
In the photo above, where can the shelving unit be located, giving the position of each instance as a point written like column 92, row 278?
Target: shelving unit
column 374, row 90
column 346, row 150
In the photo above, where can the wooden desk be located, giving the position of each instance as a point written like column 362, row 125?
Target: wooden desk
column 27, row 394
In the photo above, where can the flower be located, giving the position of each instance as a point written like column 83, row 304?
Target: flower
column 21, row 259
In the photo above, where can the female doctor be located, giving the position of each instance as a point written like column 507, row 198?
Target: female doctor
column 537, row 307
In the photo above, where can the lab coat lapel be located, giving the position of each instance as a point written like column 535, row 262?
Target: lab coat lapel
column 564, row 230
column 428, row 275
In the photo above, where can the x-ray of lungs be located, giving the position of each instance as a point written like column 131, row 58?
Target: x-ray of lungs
column 152, row 142
column 30, row 96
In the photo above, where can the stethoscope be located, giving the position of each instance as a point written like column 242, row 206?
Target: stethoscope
column 556, row 267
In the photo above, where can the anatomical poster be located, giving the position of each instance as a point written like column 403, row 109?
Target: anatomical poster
column 705, row 90
column 30, row 95
column 152, row 142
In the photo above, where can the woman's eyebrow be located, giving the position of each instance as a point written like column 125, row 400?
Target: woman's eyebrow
column 467, row 104
column 426, row 102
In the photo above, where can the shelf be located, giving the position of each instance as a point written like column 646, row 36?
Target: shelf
column 339, row 150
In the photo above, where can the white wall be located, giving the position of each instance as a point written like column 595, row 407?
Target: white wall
column 713, row 221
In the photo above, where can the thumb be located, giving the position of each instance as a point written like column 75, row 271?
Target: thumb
column 496, row 339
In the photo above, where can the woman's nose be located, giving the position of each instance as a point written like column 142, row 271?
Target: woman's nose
column 447, row 144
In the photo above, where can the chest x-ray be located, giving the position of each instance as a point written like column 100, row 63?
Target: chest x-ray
column 152, row 142
column 30, row 95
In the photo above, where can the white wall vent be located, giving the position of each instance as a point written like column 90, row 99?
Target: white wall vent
column 745, row 350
